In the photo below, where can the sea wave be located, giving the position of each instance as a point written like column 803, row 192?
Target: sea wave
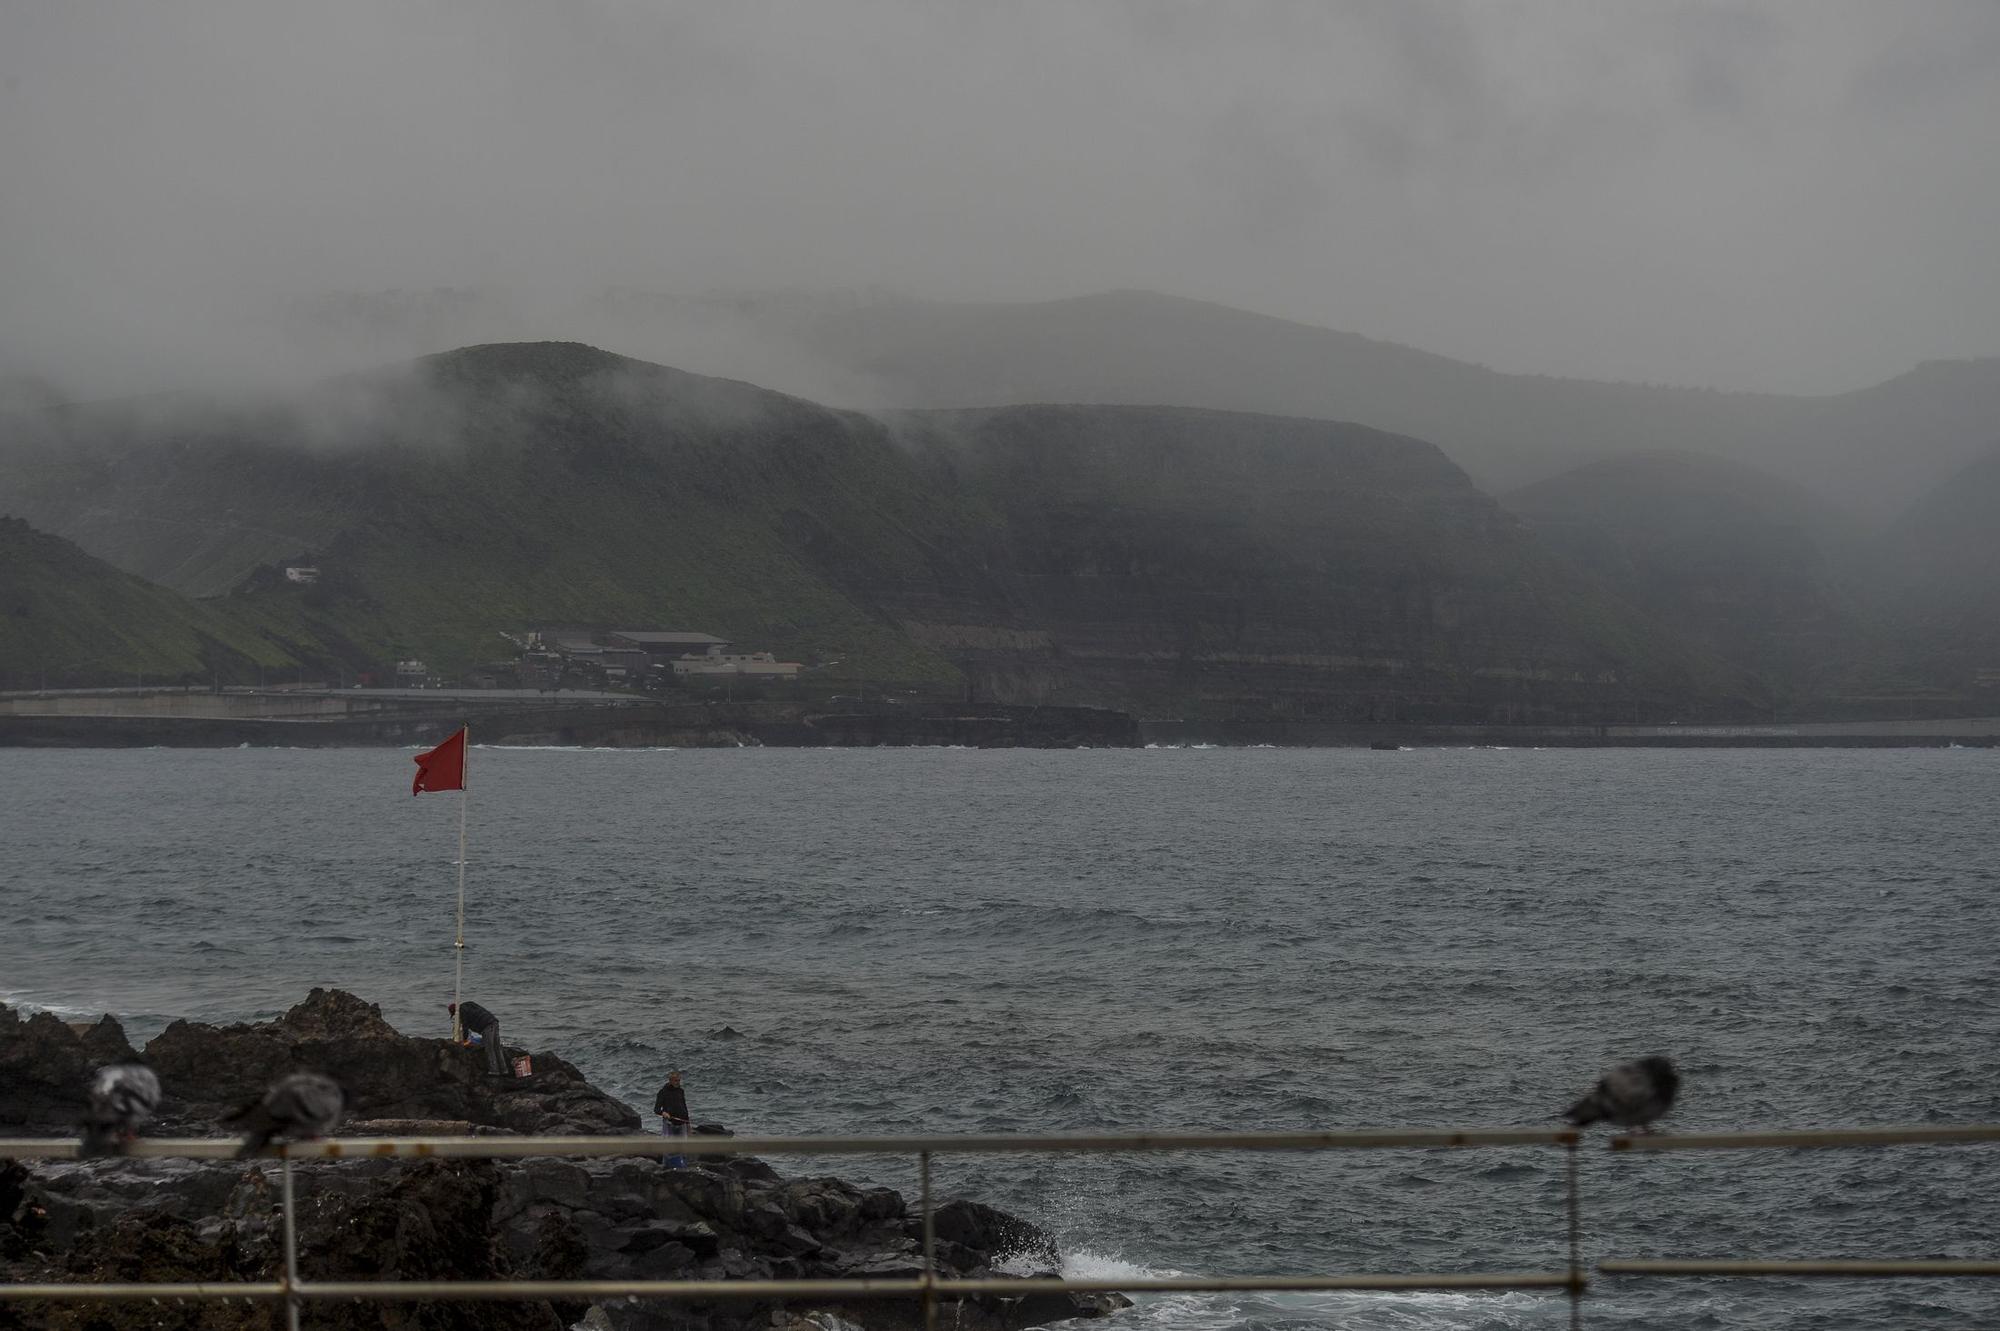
column 1081, row 942
column 29, row 1004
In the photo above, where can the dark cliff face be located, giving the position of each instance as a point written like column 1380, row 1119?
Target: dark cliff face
column 1173, row 561
column 1227, row 564
column 1749, row 569
column 1937, row 580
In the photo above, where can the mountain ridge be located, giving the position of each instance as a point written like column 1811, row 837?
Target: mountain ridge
column 505, row 485
column 871, row 351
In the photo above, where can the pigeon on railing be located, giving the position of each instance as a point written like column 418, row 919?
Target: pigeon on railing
column 123, row 1098
column 1631, row 1095
column 297, row 1108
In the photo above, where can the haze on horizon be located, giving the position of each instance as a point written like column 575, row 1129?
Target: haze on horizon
column 1798, row 197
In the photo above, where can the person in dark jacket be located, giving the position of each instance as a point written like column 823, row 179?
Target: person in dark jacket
column 671, row 1104
column 472, row 1019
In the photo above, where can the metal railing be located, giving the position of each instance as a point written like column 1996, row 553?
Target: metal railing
column 928, row 1286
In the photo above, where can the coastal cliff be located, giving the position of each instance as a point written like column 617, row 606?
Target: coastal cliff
column 735, row 1218
column 1156, row 561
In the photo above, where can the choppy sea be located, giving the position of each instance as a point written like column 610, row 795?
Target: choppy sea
column 887, row 940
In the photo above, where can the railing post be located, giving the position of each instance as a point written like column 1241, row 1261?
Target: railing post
column 930, row 1242
column 1575, row 1238
column 290, row 1278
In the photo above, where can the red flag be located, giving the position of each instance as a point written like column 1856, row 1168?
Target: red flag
column 443, row 768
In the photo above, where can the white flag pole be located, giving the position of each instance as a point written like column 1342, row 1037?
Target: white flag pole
column 458, row 946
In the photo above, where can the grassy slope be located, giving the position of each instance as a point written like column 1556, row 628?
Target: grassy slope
column 71, row 618
column 500, row 487
column 689, row 496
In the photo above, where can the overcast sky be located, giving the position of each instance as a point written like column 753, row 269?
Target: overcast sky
column 1799, row 195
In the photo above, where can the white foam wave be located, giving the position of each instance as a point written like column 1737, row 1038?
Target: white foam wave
column 1084, row 1264
column 580, row 748
column 1335, row 1310
column 28, row 1003
column 831, row 1321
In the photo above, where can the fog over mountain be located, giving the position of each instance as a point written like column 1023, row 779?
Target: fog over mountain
column 1782, row 197
column 1061, row 338
column 1871, row 452
column 1213, row 563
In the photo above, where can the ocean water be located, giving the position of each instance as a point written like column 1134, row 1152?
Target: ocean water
column 889, row 940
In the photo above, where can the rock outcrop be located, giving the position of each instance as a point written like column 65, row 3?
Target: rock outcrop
column 369, row 1219
column 542, row 1219
column 208, row 1071
column 45, row 1065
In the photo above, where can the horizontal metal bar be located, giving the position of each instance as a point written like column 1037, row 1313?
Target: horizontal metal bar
column 866, row 1288
column 1824, row 1268
column 209, row 1292
column 504, row 1147
column 1822, row 1137
column 700, row 1290
column 507, row 1148
column 1219, row 1284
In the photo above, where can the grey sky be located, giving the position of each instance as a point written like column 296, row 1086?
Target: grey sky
column 1800, row 196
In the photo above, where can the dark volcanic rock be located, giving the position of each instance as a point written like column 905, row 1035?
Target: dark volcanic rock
column 153, row 1246
column 537, row 1219
column 23, row 1218
column 430, row 1222
column 45, row 1068
column 371, row 1219
column 981, row 1228
column 208, row 1071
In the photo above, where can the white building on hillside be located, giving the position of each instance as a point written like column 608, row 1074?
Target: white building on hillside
column 760, row 664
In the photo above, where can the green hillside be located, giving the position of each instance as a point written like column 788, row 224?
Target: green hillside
column 1172, row 561
column 498, row 487
column 67, row 618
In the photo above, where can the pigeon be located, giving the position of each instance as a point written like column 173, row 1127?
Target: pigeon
column 123, row 1097
column 1631, row 1095
column 299, row 1107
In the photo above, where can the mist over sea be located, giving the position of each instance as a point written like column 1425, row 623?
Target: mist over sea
column 892, row 940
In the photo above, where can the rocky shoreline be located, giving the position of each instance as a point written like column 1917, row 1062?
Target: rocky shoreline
column 730, row 1218
column 217, row 721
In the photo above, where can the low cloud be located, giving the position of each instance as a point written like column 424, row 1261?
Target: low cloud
column 1790, row 196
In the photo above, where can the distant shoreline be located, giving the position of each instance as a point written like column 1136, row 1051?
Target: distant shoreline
column 982, row 728
column 209, row 721
column 1964, row 732
column 353, row 718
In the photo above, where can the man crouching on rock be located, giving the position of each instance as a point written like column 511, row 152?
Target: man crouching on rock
column 671, row 1104
column 472, row 1019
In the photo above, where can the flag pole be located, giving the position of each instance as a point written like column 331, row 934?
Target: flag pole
column 458, row 945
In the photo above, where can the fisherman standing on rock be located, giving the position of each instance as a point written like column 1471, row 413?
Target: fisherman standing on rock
column 671, row 1104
